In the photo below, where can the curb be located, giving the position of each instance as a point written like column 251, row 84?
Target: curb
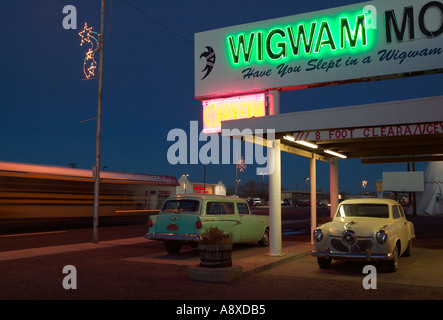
column 223, row 275
column 276, row 263
column 244, row 267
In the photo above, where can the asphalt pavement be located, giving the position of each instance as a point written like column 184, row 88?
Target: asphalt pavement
column 138, row 269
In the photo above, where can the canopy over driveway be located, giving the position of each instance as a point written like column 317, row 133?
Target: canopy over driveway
column 411, row 130
column 399, row 131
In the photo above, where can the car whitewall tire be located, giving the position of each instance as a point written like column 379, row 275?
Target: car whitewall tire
column 264, row 242
column 392, row 265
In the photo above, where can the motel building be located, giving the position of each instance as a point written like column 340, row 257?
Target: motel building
column 187, row 187
column 241, row 72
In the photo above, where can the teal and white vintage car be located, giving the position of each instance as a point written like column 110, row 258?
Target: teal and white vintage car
column 365, row 229
column 183, row 218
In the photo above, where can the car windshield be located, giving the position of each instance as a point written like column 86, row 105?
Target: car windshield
column 181, row 205
column 363, row 210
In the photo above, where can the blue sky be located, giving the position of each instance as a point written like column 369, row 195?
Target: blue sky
column 148, row 87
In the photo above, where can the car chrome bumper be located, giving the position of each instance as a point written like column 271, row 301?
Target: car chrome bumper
column 367, row 255
column 171, row 236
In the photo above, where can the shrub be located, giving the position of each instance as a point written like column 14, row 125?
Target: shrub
column 214, row 235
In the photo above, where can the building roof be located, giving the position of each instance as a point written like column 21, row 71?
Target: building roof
column 205, row 196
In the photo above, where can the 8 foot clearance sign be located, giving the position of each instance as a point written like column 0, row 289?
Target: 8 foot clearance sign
column 370, row 132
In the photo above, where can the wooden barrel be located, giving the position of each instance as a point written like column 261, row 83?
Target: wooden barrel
column 215, row 255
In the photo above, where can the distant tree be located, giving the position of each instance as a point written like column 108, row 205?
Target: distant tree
column 249, row 189
column 230, row 190
column 253, row 189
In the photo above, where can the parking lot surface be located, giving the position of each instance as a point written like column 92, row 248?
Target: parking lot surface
column 135, row 268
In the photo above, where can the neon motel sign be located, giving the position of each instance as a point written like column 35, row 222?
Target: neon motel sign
column 360, row 42
column 240, row 107
column 366, row 41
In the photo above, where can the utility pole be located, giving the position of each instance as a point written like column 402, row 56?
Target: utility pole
column 96, row 170
column 204, row 178
column 236, row 181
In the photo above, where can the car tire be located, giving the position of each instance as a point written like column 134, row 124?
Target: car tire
column 172, row 247
column 408, row 251
column 392, row 265
column 324, row 263
column 194, row 245
column 264, row 242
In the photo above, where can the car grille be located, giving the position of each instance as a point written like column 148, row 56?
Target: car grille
column 360, row 246
column 338, row 245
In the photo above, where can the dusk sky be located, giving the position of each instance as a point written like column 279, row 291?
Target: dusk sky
column 148, row 87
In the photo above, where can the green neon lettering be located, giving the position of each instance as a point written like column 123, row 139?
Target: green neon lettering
column 345, row 32
column 324, row 29
column 260, row 46
column 321, row 38
column 295, row 45
column 281, row 45
column 241, row 47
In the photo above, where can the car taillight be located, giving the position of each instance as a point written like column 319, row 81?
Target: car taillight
column 198, row 224
column 150, row 223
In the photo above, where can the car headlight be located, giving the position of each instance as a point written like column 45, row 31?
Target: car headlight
column 318, row 235
column 381, row 236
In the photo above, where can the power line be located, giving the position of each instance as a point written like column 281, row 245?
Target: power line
column 77, row 133
column 159, row 23
column 179, row 35
column 288, row 104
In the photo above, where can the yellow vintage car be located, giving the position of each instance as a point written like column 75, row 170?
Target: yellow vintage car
column 365, row 229
column 183, row 218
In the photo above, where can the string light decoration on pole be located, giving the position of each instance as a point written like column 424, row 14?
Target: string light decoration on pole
column 364, row 183
column 89, row 63
column 239, row 166
column 95, row 41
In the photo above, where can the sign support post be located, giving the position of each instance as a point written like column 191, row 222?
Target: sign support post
column 333, row 186
column 313, row 180
column 275, row 248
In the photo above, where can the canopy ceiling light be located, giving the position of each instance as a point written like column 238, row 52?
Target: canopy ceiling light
column 335, row 153
column 304, row 143
column 307, row 144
